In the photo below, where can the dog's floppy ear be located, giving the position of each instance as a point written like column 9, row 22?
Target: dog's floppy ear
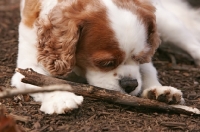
column 153, row 41
column 153, row 35
column 146, row 12
column 58, row 35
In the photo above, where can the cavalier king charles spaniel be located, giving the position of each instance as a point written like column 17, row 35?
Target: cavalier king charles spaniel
column 109, row 42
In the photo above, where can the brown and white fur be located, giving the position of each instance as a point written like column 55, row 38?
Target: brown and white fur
column 109, row 42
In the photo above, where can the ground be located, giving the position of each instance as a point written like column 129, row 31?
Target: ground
column 95, row 115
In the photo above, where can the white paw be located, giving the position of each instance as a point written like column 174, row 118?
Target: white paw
column 165, row 94
column 16, row 81
column 60, row 102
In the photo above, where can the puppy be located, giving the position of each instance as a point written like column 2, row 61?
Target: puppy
column 109, row 42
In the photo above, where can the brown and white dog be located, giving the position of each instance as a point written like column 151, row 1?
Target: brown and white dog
column 109, row 42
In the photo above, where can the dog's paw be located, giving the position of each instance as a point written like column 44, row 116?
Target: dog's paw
column 165, row 94
column 16, row 81
column 60, row 102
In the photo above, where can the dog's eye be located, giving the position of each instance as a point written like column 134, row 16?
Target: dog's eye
column 107, row 63
column 141, row 59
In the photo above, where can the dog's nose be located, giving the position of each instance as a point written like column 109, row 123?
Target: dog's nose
column 128, row 84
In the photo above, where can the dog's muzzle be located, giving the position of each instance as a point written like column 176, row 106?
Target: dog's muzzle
column 128, row 84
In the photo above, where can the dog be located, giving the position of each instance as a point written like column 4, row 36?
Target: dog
column 109, row 42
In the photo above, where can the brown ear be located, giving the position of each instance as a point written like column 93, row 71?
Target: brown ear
column 153, row 42
column 58, row 35
column 153, row 36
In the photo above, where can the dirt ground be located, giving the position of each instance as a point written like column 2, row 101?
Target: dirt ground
column 95, row 115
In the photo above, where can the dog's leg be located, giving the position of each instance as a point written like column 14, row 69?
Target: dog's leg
column 152, row 89
column 54, row 102
column 173, row 30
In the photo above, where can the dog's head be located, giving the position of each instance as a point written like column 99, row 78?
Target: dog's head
column 107, row 40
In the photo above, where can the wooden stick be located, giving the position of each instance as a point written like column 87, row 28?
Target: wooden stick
column 37, row 79
column 184, row 68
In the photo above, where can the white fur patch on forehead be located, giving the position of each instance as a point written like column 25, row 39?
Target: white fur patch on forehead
column 47, row 6
column 129, row 31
